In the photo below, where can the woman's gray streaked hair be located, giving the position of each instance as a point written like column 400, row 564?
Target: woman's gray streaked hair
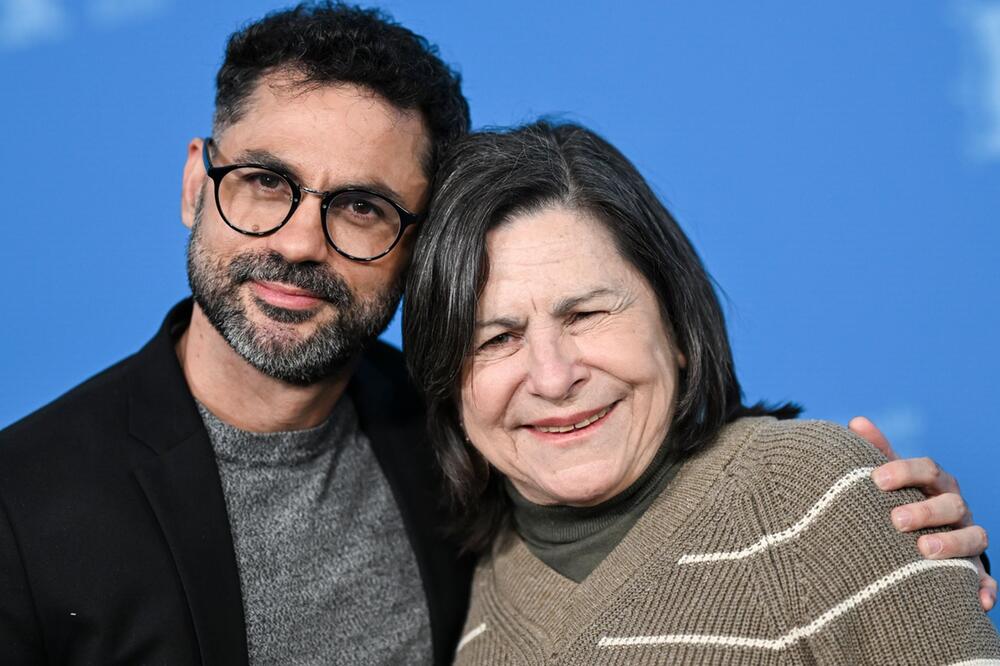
column 491, row 177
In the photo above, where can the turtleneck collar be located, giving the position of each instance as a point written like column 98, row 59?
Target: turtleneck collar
column 574, row 540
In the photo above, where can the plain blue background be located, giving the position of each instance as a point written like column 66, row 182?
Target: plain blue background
column 836, row 164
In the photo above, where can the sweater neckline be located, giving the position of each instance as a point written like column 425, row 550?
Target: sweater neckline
column 575, row 540
column 531, row 585
column 279, row 449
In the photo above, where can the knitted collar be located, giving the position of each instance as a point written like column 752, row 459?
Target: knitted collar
column 574, row 540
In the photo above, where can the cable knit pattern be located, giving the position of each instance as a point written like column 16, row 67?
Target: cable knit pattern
column 771, row 546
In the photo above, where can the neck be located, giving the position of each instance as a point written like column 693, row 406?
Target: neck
column 242, row 396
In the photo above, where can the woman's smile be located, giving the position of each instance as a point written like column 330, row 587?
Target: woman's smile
column 559, row 429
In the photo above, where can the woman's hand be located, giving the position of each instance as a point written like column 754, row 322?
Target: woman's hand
column 944, row 507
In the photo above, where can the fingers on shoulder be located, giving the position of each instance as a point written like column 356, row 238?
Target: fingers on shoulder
column 811, row 464
column 945, row 510
column 917, row 473
column 969, row 541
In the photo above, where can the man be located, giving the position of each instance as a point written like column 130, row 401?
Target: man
column 253, row 486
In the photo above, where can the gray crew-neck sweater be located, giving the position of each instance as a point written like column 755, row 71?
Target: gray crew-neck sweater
column 770, row 546
column 326, row 569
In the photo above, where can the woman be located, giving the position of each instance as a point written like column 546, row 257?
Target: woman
column 582, row 396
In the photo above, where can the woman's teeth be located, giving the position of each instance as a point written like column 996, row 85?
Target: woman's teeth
column 576, row 426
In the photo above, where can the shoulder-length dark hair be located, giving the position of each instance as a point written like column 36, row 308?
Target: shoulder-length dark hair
column 491, row 177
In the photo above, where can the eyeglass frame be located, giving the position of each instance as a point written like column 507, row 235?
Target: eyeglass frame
column 217, row 173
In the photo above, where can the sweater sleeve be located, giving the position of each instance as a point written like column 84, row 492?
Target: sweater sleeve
column 859, row 591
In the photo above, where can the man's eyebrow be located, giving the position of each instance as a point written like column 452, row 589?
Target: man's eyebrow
column 567, row 305
column 271, row 161
column 265, row 158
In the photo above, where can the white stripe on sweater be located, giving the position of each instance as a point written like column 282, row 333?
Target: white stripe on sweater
column 769, row 540
column 469, row 636
column 797, row 633
column 977, row 662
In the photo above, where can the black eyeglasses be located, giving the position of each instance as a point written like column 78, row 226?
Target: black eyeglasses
column 256, row 200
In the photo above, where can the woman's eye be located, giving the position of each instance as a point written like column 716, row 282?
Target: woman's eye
column 496, row 341
column 581, row 316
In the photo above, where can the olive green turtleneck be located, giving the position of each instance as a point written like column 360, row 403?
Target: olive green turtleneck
column 573, row 540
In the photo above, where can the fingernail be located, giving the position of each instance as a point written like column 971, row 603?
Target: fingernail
column 932, row 545
column 881, row 478
column 901, row 519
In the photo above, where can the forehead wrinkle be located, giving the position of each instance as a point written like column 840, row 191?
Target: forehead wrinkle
column 560, row 307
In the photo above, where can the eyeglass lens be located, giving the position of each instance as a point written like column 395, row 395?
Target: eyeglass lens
column 362, row 224
column 258, row 200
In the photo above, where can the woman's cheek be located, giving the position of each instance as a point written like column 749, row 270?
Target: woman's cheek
column 489, row 397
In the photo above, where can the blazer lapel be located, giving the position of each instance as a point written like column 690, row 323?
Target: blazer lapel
column 182, row 484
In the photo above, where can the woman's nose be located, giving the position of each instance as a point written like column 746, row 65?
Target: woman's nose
column 555, row 370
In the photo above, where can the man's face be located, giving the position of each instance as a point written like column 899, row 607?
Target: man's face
column 288, row 303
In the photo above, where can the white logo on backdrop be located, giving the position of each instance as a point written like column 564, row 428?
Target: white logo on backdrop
column 27, row 23
column 981, row 81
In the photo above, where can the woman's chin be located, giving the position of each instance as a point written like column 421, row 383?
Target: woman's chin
column 578, row 490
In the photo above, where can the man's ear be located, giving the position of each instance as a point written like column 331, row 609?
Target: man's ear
column 193, row 182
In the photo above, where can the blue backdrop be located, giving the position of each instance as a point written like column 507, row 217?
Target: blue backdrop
column 836, row 164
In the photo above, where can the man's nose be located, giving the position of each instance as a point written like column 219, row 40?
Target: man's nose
column 554, row 367
column 301, row 239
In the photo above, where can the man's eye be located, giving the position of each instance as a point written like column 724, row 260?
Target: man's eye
column 266, row 181
column 361, row 207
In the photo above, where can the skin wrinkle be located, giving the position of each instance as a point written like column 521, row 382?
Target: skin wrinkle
column 560, row 361
column 291, row 85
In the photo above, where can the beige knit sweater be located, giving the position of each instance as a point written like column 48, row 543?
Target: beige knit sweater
column 771, row 546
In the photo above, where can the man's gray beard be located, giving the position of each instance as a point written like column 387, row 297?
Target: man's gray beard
column 279, row 352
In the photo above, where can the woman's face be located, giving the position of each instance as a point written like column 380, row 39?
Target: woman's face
column 571, row 384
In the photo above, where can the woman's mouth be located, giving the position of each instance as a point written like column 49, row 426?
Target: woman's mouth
column 578, row 425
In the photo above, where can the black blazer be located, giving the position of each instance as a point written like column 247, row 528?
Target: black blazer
column 115, row 545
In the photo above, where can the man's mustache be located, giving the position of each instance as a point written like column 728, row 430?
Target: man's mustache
column 272, row 267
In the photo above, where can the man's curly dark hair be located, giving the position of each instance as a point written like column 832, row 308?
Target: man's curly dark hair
column 327, row 43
